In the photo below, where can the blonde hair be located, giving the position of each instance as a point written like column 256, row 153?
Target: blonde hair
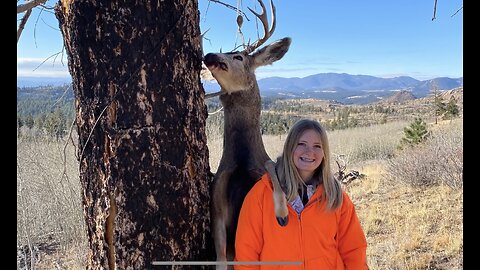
column 288, row 174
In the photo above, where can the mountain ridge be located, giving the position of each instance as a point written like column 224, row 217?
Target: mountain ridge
column 342, row 87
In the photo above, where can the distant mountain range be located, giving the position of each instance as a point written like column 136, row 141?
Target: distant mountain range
column 346, row 88
column 341, row 87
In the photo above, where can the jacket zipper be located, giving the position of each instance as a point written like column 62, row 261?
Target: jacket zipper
column 301, row 240
column 301, row 228
column 304, row 265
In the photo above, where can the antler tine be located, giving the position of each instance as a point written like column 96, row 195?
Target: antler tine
column 339, row 166
column 263, row 18
column 342, row 160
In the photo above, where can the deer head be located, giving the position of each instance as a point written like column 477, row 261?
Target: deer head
column 235, row 71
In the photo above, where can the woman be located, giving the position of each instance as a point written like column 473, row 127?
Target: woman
column 323, row 230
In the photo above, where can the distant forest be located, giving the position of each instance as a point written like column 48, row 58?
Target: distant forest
column 49, row 110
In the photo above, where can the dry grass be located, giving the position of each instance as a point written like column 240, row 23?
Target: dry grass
column 406, row 227
column 367, row 143
column 49, row 210
column 411, row 227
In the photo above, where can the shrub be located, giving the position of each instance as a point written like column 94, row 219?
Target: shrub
column 438, row 161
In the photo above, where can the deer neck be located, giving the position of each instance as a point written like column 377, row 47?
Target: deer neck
column 243, row 138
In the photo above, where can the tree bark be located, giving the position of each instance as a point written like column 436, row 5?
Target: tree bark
column 141, row 117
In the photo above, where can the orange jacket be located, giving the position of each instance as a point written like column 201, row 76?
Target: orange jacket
column 320, row 240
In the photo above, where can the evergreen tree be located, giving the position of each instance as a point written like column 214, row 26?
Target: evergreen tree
column 451, row 109
column 19, row 122
column 440, row 106
column 29, row 121
column 40, row 121
column 55, row 124
column 343, row 120
column 415, row 133
column 19, row 125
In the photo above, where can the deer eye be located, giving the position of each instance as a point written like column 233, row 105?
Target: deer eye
column 238, row 57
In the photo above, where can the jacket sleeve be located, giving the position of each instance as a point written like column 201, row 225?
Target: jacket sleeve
column 249, row 236
column 352, row 244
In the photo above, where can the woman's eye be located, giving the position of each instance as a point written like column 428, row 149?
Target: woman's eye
column 238, row 57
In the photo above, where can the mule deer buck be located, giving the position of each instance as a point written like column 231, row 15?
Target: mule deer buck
column 244, row 156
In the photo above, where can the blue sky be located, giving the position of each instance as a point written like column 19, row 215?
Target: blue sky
column 374, row 37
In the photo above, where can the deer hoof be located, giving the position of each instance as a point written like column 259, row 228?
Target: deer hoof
column 282, row 221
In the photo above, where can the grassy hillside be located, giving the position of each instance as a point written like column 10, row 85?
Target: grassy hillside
column 409, row 225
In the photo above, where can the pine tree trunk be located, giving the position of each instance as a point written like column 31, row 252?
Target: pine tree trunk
column 140, row 118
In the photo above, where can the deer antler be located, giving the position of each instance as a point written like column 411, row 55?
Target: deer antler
column 352, row 175
column 344, row 177
column 267, row 33
column 342, row 166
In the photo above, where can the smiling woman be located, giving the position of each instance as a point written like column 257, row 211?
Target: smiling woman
column 322, row 218
column 308, row 154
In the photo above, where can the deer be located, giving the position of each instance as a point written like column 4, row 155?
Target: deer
column 244, row 156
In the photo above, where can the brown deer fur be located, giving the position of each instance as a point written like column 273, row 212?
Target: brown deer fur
column 244, row 156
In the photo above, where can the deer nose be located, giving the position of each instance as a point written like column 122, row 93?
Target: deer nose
column 210, row 59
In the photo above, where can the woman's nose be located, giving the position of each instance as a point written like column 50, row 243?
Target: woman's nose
column 309, row 149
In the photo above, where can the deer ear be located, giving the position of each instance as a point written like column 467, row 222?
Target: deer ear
column 271, row 53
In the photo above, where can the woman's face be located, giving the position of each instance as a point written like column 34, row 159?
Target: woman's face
column 308, row 154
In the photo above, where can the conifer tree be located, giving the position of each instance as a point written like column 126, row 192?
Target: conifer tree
column 451, row 109
column 415, row 133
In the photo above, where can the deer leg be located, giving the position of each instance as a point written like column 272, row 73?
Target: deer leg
column 221, row 217
column 220, row 238
column 279, row 199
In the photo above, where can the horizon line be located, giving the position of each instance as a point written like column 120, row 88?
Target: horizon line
column 32, row 77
